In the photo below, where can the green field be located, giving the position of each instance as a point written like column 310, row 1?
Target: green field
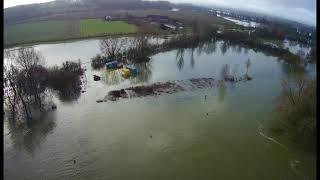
column 93, row 26
column 61, row 30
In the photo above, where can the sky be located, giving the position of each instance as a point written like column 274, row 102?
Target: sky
column 303, row 11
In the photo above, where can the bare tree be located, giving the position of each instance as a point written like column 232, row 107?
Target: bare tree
column 24, row 83
column 28, row 57
column 140, row 49
column 301, row 53
column 12, row 94
column 296, row 108
column 9, row 91
column 113, row 47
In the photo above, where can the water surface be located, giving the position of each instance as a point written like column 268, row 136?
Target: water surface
column 163, row 137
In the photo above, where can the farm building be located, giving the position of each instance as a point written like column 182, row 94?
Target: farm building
column 168, row 27
column 164, row 22
column 108, row 18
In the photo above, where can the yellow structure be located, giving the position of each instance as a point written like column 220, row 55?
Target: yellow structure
column 125, row 72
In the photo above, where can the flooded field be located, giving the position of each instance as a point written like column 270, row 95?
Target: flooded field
column 211, row 133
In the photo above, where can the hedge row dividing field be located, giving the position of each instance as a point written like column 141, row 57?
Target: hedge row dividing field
column 60, row 30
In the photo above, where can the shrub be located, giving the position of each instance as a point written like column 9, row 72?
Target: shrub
column 65, row 77
column 296, row 108
column 98, row 62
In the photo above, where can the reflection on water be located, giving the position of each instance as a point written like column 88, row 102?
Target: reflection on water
column 221, row 92
column 224, row 47
column 209, row 47
column 192, row 61
column 291, row 71
column 180, row 58
column 30, row 138
column 144, row 73
column 69, row 94
column 112, row 77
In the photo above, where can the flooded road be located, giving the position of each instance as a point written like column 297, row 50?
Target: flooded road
column 213, row 133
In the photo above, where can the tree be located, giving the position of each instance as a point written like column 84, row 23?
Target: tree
column 112, row 48
column 140, row 49
column 296, row 108
column 9, row 91
column 25, row 80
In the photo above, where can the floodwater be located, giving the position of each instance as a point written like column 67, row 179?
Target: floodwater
column 165, row 137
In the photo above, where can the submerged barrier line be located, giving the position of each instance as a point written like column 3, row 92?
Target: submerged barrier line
column 270, row 138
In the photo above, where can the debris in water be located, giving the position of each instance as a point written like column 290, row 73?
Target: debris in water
column 96, row 78
column 169, row 87
column 273, row 140
column 54, row 107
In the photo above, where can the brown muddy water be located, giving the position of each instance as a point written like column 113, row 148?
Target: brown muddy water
column 210, row 133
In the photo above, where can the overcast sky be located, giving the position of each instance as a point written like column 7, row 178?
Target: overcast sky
column 299, row 10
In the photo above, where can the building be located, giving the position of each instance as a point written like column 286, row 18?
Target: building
column 108, row 18
column 168, row 27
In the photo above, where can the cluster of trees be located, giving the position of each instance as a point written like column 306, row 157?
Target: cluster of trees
column 66, row 80
column 136, row 49
column 111, row 49
column 27, row 82
column 140, row 49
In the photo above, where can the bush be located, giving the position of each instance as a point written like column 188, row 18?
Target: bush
column 65, row 77
column 296, row 109
column 98, row 62
column 72, row 67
